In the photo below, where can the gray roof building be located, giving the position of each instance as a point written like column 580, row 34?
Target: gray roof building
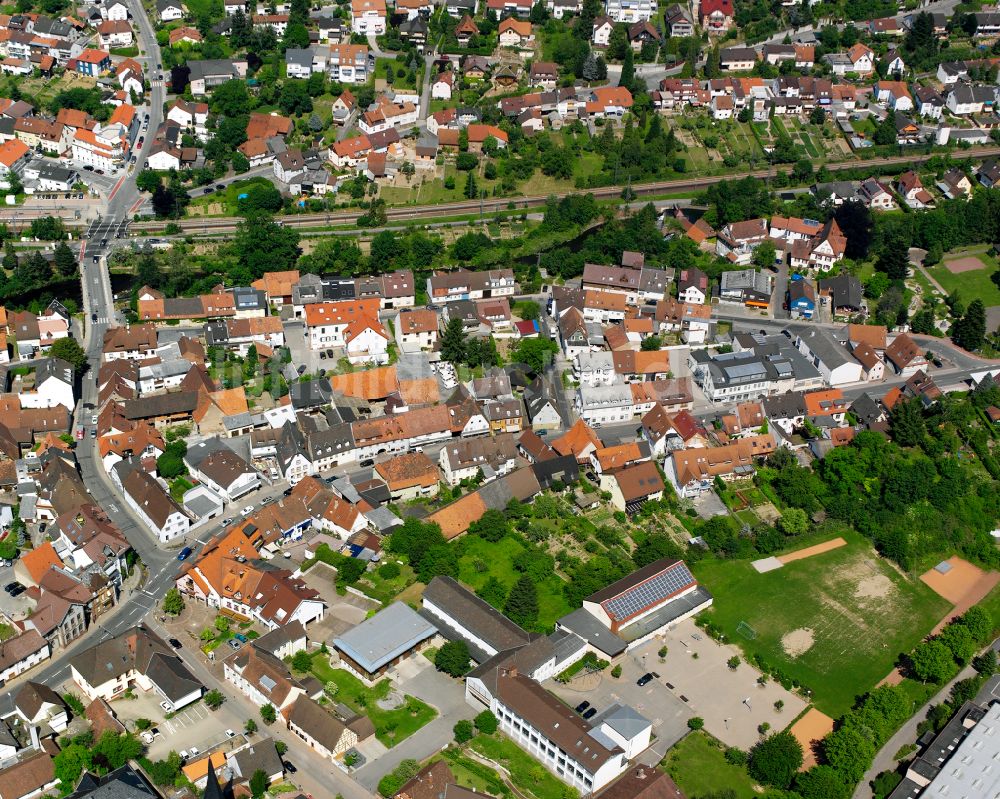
column 122, row 783
column 458, row 612
column 389, row 634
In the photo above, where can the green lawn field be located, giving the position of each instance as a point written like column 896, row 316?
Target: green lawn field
column 970, row 285
column 482, row 560
column 391, row 726
column 845, row 616
column 698, row 767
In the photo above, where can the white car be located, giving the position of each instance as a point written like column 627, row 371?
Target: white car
column 166, row 707
column 230, row 734
column 194, row 751
column 183, row 754
column 247, row 510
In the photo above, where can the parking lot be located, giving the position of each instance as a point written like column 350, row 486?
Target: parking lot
column 14, row 608
column 667, row 713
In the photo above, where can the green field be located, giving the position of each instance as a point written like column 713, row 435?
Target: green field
column 859, row 612
column 524, row 770
column 970, row 285
column 698, row 767
column 482, row 560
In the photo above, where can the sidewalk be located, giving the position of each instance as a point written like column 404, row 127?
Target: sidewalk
column 906, row 734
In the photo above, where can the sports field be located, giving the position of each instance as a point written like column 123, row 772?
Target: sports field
column 969, row 283
column 835, row 621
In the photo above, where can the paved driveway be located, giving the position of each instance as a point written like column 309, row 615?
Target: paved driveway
column 446, row 695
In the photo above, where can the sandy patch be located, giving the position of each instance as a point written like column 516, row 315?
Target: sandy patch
column 808, row 552
column 809, row 731
column 797, row 642
column 968, row 263
column 876, row 587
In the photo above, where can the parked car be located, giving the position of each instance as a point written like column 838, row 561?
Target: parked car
column 230, row 734
column 226, row 522
column 11, row 586
column 167, row 709
column 18, row 591
column 235, row 644
column 289, row 767
column 174, row 643
column 184, row 553
column 240, row 637
column 367, row 462
column 582, row 707
column 645, row 679
column 590, row 713
column 247, row 510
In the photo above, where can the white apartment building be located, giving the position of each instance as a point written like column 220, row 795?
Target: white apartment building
column 630, row 11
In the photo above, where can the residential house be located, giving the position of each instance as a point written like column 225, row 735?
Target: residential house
column 716, row 17
column 905, row 356
column 136, row 658
column 955, row 184
column 912, row 190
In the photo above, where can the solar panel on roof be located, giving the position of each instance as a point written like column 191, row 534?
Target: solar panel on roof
column 650, row 592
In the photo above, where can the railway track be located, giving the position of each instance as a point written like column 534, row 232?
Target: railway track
column 407, row 214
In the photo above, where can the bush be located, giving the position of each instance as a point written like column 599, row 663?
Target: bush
column 390, row 784
column 463, row 731
column 486, row 723
column 696, row 723
column 389, row 571
column 616, row 672
column 73, row 703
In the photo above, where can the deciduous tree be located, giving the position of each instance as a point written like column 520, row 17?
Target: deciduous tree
column 453, row 658
column 776, row 760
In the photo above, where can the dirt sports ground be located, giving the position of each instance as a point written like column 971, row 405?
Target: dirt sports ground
column 963, row 585
column 969, row 263
column 809, row 730
column 808, row 552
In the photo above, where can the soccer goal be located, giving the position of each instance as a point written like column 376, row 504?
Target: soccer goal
column 746, row 631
